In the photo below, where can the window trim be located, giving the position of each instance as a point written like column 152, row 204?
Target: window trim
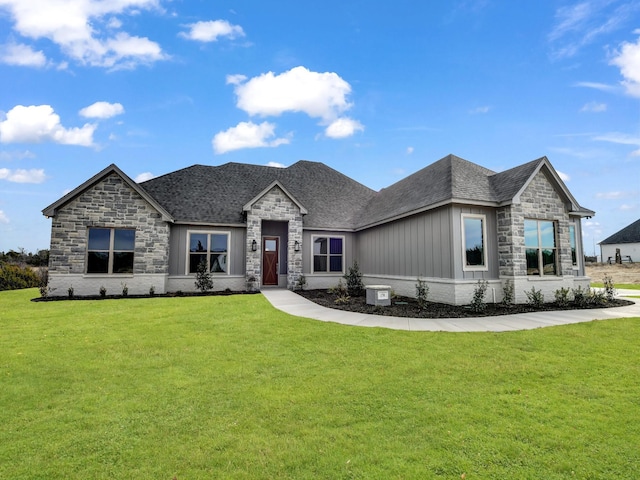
column 540, row 247
column 328, row 254
column 208, row 233
column 474, row 268
column 111, row 251
column 574, row 227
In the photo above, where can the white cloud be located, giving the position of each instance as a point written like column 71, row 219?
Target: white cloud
column 16, row 155
column 596, row 86
column 246, row 135
column 143, row 177
column 319, row 95
column 23, row 176
column 612, row 195
column 563, row 176
column 102, row 110
column 276, row 165
column 594, row 107
column 479, row 110
column 235, row 79
column 343, row 127
column 410, row 150
column 626, row 207
column 628, row 60
column 210, row 31
column 3, row 217
column 39, row 123
column 83, row 29
column 22, row 55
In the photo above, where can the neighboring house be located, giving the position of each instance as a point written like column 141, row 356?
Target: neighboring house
column 626, row 240
column 451, row 224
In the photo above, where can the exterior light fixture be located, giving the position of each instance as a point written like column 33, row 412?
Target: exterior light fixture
column 296, row 246
column 254, row 246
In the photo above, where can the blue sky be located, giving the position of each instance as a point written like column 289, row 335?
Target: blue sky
column 376, row 90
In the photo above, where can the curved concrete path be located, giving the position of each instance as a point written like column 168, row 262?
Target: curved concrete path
column 294, row 304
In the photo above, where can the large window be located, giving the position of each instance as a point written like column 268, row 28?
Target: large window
column 210, row 248
column 540, row 245
column 110, row 250
column 572, row 242
column 328, row 254
column 473, row 239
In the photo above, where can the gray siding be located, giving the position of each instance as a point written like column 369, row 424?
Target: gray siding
column 420, row 245
column 491, row 244
column 179, row 247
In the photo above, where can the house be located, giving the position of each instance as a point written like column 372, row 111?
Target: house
column 451, row 224
column 627, row 241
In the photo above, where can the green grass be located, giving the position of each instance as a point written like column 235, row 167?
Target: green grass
column 624, row 286
column 228, row 387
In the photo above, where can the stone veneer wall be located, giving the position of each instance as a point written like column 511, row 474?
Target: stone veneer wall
column 539, row 201
column 277, row 206
column 109, row 203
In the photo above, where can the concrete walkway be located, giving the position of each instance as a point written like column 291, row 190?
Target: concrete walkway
column 294, row 304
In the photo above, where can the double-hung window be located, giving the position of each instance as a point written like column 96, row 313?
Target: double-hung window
column 474, row 234
column 210, row 248
column 540, row 247
column 328, row 254
column 110, row 250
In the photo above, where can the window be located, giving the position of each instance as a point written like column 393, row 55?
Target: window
column 572, row 242
column 327, row 254
column 540, row 245
column 110, row 250
column 210, row 248
column 473, row 240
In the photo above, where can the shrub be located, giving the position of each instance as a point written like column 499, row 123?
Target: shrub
column 609, row 288
column 562, row 296
column 597, row 298
column 422, row 292
column 535, row 298
column 14, row 277
column 355, row 287
column 204, row 283
column 508, row 293
column 103, row 291
column 152, row 291
column 341, row 293
column 580, row 296
column 125, row 290
column 477, row 303
column 70, row 292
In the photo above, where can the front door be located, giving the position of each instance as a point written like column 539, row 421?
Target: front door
column 270, row 260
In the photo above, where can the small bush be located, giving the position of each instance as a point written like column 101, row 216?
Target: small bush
column 609, row 288
column 342, row 300
column 152, row 291
column 355, row 287
column 597, row 298
column 580, row 296
column 477, row 303
column 70, row 292
column 422, row 292
column 103, row 291
column 562, row 296
column 125, row 290
column 204, row 283
column 341, row 293
column 535, row 298
column 508, row 293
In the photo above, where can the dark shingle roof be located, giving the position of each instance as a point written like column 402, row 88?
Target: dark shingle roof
column 629, row 234
column 207, row 194
column 217, row 194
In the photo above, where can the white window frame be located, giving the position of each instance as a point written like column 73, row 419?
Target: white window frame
column 574, row 227
column 344, row 254
column 474, row 268
column 207, row 233
column 111, row 251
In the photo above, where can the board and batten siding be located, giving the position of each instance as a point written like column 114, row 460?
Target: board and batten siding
column 179, row 247
column 420, row 245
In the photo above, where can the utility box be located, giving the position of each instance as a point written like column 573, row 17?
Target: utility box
column 378, row 295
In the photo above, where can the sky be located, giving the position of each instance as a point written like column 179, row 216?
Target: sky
column 376, row 90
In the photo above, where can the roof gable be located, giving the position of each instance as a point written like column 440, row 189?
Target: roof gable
column 629, row 234
column 52, row 209
column 277, row 184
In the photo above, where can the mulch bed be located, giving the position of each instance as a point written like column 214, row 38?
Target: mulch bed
column 408, row 307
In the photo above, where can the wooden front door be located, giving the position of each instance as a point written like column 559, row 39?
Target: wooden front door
column 270, row 260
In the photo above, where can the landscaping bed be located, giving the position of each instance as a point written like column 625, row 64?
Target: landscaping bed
column 408, row 307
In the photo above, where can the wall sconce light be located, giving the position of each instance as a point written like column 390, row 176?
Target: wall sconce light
column 254, row 246
column 296, row 246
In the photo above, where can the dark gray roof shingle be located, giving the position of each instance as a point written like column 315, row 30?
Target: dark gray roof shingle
column 629, row 234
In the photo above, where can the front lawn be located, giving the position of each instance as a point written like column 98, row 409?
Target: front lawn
column 623, row 286
column 228, row 387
